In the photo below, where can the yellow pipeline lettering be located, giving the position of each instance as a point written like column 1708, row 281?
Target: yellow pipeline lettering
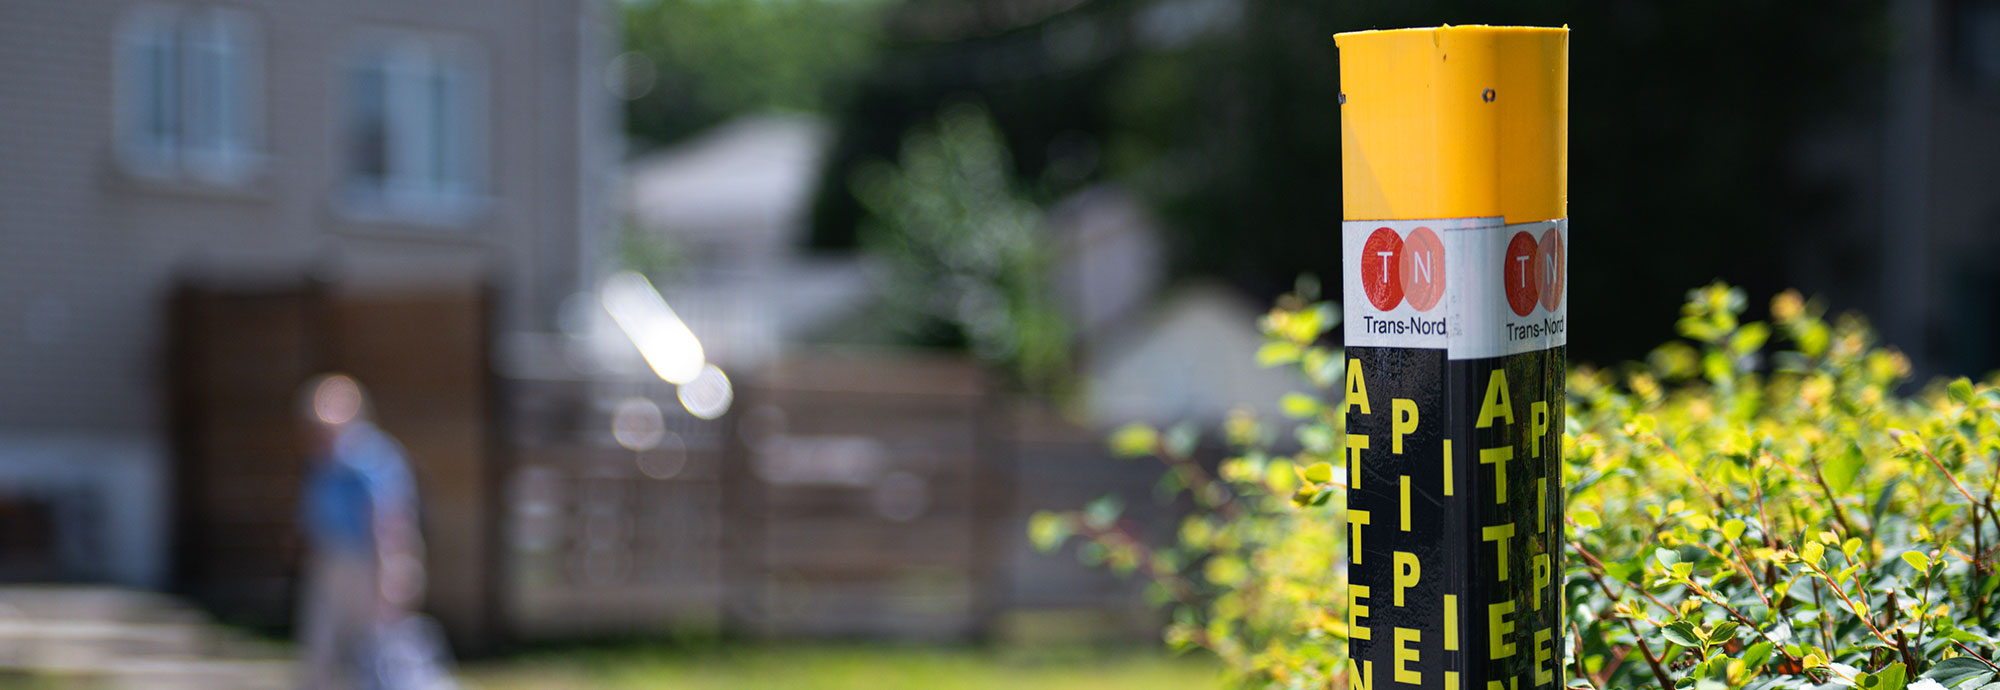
column 1543, row 674
column 1451, row 622
column 1357, row 611
column 1356, row 519
column 1404, row 654
column 1357, row 388
column 1450, row 680
column 1405, row 421
column 1497, row 457
column 1498, row 534
column 1355, row 444
column 1496, row 405
column 1405, row 518
column 1538, row 426
column 1541, row 568
column 1499, row 629
column 1408, row 572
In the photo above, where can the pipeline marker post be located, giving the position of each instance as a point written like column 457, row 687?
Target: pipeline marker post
column 1454, row 165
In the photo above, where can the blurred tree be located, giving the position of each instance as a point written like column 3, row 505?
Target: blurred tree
column 965, row 255
column 693, row 63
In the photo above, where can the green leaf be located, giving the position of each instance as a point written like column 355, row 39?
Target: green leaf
column 1918, row 560
column 1732, row 530
column 1907, row 439
column 1955, row 670
column 1812, row 552
column 1318, row 473
column 1135, row 440
column 1892, row 677
column 1755, row 656
column 1048, row 530
column 1841, row 469
column 1682, row 633
column 1586, row 518
column 1277, row 353
column 1960, row 391
column 1723, row 632
column 1298, row 405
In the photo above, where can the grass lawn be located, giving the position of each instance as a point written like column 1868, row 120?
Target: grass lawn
column 844, row 667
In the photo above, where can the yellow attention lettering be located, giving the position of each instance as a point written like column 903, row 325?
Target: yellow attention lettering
column 1366, row 678
column 1496, row 405
column 1355, row 444
column 1451, row 622
column 1408, row 572
column 1538, row 425
column 1450, row 680
column 1404, row 654
column 1447, row 467
column 1541, row 569
column 1357, row 388
column 1499, row 534
column 1356, row 519
column 1357, row 611
column 1404, row 481
column 1543, row 674
column 1404, row 422
column 1497, row 685
column 1499, row 629
column 1498, row 457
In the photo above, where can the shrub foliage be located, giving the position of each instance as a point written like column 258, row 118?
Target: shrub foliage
column 1756, row 506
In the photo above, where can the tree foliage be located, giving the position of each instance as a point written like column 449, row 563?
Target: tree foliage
column 693, row 63
column 965, row 258
column 1755, row 506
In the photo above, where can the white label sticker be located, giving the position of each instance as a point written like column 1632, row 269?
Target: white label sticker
column 1471, row 286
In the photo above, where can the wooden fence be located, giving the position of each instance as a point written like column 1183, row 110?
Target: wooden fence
column 875, row 496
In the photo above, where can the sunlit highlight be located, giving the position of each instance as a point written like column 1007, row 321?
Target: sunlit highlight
column 637, row 424
column 659, row 334
column 708, row 395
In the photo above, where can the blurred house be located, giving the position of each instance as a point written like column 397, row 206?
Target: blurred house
column 1193, row 358
column 731, row 207
column 363, row 148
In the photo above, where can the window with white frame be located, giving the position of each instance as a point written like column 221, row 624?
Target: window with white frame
column 415, row 122
column 186, row 93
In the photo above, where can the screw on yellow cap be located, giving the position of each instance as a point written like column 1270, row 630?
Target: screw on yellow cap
column 1455, row 122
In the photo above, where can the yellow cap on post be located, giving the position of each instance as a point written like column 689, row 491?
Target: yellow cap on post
column 1455, row 122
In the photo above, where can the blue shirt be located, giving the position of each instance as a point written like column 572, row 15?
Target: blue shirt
column 363, row 477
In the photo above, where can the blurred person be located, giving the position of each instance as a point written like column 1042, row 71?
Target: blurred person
column 364, row 572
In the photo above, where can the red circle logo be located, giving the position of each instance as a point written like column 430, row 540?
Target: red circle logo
column 1519, row 274
column 1551, row 268
column 1381, row 270
column 1422, row 268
